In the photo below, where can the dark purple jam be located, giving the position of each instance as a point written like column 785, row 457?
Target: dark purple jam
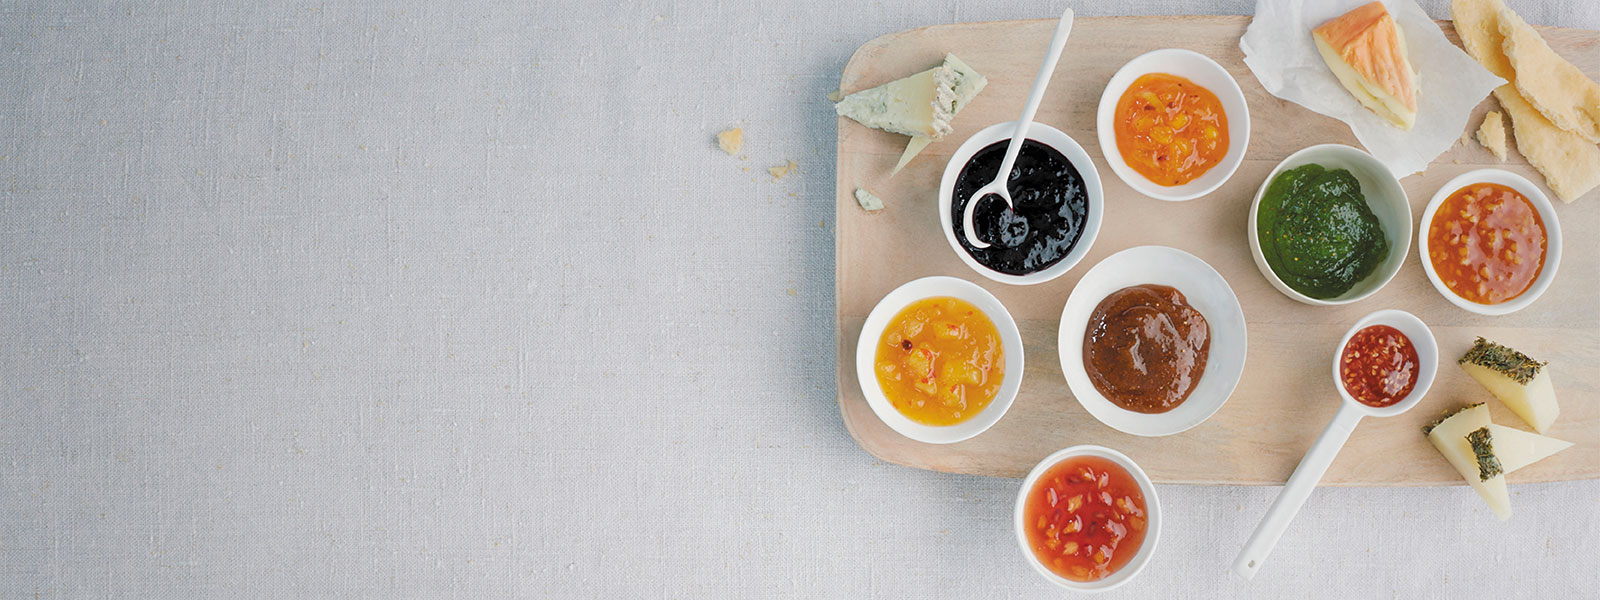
column 1052, row 206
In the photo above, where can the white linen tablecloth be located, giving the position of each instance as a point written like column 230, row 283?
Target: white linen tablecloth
column 459, row 300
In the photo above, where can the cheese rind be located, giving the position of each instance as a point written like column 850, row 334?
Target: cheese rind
column 1517, row 448
column 1450, row 438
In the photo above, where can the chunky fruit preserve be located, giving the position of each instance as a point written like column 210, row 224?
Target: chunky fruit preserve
column 1379, row 366
column 1085, row 518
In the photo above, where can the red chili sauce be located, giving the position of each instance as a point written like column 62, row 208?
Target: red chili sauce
column 1085, row 518
column 1379, row 366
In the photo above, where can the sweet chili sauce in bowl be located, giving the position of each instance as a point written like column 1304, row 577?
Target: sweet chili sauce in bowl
column 1087, row 518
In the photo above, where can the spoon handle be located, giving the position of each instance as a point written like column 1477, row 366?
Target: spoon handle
column 1040, row 82
column 1294, row 493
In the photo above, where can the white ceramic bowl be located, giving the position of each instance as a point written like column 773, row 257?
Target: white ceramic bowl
column 1385, row 197
column 1048, row 136
column 1152, row 512
column 878, row 321
column 1552, row 231
column 1206, row 73
column 1205, row 290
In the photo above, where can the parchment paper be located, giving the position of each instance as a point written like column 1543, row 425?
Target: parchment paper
column 1279, row 51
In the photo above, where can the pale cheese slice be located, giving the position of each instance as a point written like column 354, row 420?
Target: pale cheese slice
column 1450, row 438
column 1517, row 448
column 913, row 148
column 1532, row 398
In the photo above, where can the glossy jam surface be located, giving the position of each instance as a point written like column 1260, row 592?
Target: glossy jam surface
column 1487, row 243
column 1085, row 518
column 1052, row 206
column 1145, row 348
column 1170, row 129
column 940, row 361
column 1379, row 366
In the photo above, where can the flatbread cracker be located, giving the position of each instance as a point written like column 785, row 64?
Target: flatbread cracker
column 1492, row 134
column 1478, row 24
column 1570, row 164
column 1560, row 91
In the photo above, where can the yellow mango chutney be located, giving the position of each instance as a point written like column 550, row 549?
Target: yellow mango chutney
column 940, row 361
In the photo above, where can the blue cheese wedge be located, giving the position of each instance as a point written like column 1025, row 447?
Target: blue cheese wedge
column 1449, row 436
column 868, row 201
column 920, row 106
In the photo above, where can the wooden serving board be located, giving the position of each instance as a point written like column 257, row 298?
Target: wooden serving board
column 1286, row 394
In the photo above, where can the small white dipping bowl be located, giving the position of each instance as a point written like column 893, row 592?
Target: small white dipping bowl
column 1205, row 290
column 878, row 321
column 1152, row 513
column 1049, row 136
column 1552, row 232
column 1206, row 73
column 1384, row 196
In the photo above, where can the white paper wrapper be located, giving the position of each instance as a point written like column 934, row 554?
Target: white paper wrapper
column 1279, row 51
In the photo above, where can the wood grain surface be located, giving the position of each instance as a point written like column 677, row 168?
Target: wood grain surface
column 1286, row 395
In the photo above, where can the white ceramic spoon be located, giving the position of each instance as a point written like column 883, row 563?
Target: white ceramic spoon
column 1040, row 82
column 1321, row 454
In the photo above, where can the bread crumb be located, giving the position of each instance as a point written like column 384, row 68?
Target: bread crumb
column 1492, row 134
column 731, row 140
column 780, row 171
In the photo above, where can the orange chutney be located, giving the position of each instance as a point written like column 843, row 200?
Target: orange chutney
column 940, row 362
column 1170, row 129
column 1487, row 243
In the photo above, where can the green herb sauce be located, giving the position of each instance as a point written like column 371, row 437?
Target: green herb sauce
column 1317, row 232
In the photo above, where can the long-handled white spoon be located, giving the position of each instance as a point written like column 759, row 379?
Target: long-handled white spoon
column 1321, row 454
column 1040, row 82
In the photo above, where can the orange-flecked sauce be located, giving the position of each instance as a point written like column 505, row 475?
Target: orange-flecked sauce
column 1487, row 243
column 1170, row 129
column 1085, row 518
column 940, row 362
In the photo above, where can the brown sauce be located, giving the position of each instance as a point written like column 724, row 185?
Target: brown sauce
column 1145, row 348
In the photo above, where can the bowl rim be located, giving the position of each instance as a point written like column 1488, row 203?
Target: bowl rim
column 1147, row 547
column 1094, row 402
column 931, row 287
column 1237, row 127
column 1552, row 232
column 1047, row 135
column 1403, row 246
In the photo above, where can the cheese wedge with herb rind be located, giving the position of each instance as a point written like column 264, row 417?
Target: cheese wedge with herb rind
column 1517, row 448
column 1449, row 436
column 1522, row 383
